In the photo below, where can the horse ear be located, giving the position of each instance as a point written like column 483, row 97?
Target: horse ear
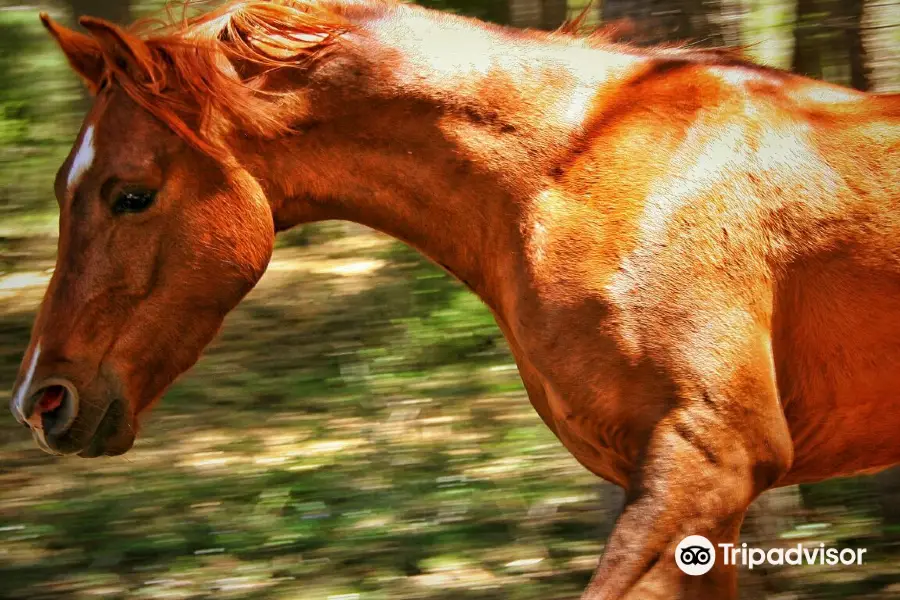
column 82, row 52
column 123, row 52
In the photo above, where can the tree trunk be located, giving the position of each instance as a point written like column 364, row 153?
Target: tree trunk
column 888, row 485
column 730, row 18
column 807, row 52
column 851, row 16
column 703, row 22
column 525, row 13
column 714, row 22
column 696, row 24
column 880, row 33
column 554, row 14
column 538, row 14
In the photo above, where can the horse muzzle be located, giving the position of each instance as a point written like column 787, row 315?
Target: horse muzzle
column 64, row 422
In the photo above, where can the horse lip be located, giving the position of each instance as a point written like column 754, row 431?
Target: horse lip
column 94, row 440
column 42, row 443
column 97, row 444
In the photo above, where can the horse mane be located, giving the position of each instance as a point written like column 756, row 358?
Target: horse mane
column 191, row 68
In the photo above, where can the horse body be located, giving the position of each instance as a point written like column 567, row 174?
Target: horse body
column 837, row 319
column 695, row 260
column 756, row 197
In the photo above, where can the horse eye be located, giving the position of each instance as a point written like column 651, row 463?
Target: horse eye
column 133, row 201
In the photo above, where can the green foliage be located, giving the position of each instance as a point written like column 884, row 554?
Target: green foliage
column 38, row 119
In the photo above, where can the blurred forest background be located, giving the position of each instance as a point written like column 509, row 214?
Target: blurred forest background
column 358, row 431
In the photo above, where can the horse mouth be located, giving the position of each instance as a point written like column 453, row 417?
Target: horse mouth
column 114, row 434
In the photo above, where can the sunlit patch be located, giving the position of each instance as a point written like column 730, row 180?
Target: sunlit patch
column 207, row 460
column 783, row 150
column 721, row 146
column 826, row 94
column 579, row 105
column 11, row 284
column 538, row 241
column 524, row 563
column 739, row 77
column 496, row 469
column 328, row 447
column 359, row 267
column 459, row 576
column 83, row 159
column 474, row 50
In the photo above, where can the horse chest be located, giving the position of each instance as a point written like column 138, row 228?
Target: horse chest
column 601, row 407
column 596, row 438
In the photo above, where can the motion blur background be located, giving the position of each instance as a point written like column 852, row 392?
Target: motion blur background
column 358, row 431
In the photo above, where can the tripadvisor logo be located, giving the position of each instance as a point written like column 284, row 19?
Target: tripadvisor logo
column 696, row 555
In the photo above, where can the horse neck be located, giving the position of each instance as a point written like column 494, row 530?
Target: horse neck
column 442, row 145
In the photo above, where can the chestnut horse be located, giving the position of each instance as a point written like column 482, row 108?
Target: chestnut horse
column 695, row 259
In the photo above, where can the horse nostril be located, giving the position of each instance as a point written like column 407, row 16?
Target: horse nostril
column 54, row 407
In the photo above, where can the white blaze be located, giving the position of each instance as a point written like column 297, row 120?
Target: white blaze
column 83, row 159
column 19, row 400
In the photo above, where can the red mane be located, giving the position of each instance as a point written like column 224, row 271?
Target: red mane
column 189, row 69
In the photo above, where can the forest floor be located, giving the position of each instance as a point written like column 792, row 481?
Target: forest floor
column 357, row 432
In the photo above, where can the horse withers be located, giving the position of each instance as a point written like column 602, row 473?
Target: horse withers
column 695, row 259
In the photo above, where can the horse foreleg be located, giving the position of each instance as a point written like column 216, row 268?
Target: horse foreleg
column 722, row 444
